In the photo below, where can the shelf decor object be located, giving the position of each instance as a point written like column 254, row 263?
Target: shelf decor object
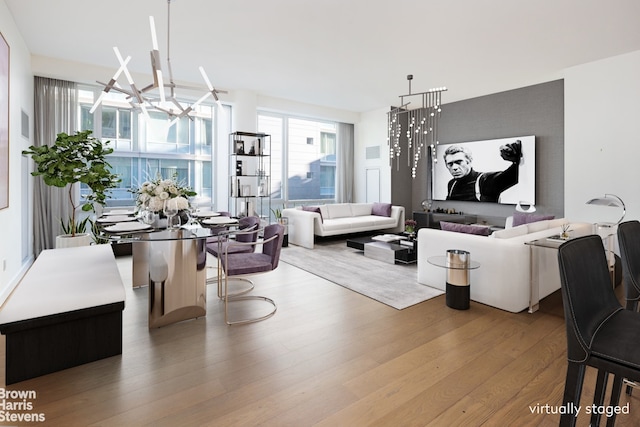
column 418, row 127
column 520, row 207
column 153, row 96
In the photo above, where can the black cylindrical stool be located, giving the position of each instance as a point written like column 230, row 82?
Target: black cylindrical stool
column 458, row 290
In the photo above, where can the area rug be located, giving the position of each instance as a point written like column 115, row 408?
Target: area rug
column 393, row 285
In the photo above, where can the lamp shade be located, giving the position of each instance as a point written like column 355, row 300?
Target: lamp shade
column 609, row 200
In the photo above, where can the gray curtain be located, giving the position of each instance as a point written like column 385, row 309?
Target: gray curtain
column 55, row 105
column 344, row 163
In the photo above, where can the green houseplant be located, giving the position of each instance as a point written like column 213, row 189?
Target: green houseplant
column 72, row 159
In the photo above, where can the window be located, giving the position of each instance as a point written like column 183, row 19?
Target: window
column 307, row 169
column 145, row 148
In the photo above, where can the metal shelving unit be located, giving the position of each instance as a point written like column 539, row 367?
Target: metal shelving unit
column 250, row 175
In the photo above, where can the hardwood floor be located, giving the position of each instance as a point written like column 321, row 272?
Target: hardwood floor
column 329, row 357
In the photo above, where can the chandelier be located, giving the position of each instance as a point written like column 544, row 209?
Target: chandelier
column 154, row 96
column 421, row 124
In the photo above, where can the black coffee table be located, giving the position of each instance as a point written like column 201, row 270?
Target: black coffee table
column 384, row 251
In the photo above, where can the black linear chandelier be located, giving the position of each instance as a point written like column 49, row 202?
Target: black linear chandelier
column 421, row 127
column 154, row 96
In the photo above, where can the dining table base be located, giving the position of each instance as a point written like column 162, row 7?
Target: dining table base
column 175, row 271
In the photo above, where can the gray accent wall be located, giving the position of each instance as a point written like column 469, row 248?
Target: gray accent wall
column 534, row 110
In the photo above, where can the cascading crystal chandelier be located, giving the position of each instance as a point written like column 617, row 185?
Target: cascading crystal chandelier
column 421, row 127
column 153, row 96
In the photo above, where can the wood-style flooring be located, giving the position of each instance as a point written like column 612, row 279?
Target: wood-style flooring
column 329, row 357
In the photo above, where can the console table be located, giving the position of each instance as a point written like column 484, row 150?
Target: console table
column 432, row 219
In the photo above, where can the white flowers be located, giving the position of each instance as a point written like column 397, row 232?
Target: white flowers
column 152, row 194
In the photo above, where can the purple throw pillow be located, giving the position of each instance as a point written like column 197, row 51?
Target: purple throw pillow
column 480, row 230
column 313, row 209
column 520, row 218
column 381, row 209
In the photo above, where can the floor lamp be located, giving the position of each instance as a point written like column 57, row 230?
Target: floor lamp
column 606, row 230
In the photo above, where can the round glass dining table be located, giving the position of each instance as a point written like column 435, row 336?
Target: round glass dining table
column 172, row 263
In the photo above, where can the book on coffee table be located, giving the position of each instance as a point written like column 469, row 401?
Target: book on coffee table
column 388, row 238
column 557, row 238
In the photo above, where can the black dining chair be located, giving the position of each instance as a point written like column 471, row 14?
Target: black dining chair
column 600, row 332
column 629, row 241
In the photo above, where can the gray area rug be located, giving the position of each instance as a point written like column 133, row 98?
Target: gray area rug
column 393, row 285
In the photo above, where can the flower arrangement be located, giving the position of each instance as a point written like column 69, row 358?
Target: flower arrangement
column 152, row 194
column 410, row 226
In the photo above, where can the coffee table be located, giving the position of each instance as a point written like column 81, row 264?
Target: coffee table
column 389, row 252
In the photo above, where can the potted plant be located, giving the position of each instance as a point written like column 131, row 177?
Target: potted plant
column 277, row 213
column 72, row 159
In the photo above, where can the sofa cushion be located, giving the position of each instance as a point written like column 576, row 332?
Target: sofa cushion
column 558, row 222
column 536, row 226
column 361, row 209
column 338, row 210
column 313, row 209
column 508, row 233
column 381, row 209
column 343, row 225
column 324, row 212
column 380, row 221
column 480, row 230
column 520, row 218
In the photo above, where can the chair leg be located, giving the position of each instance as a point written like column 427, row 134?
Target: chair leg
column 598, row 397
column 633, row 306
column 616, row 389
column 572, row 391
column 231, row 298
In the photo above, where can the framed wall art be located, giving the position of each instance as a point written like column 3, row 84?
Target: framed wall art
column 497, row 170
column 4, row 123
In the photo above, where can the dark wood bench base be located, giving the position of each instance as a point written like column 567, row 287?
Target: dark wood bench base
column 48, row 344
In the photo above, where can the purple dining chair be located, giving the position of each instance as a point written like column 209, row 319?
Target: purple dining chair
column 249, row 263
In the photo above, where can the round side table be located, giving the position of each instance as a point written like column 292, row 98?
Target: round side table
column 458, row 264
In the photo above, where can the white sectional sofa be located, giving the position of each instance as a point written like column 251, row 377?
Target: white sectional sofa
column 341, row 218
column 504, row 277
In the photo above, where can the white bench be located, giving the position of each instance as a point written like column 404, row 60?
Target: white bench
column 66, row 311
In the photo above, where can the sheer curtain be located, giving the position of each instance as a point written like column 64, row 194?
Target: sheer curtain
column 344, row 163
column 55, row 111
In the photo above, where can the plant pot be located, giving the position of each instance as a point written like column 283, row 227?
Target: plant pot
column 70, row 241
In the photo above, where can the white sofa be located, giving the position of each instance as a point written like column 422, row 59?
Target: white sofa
column 337, row 219
column 503, row 279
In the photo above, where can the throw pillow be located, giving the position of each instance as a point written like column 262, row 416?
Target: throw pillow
column 313, row 209
column 381, row 209
column 520, row 218
column 480, row 230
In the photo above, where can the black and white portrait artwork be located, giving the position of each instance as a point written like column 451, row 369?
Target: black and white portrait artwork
column 494, row 171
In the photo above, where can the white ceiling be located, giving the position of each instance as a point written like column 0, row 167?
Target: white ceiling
column 348, row 54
